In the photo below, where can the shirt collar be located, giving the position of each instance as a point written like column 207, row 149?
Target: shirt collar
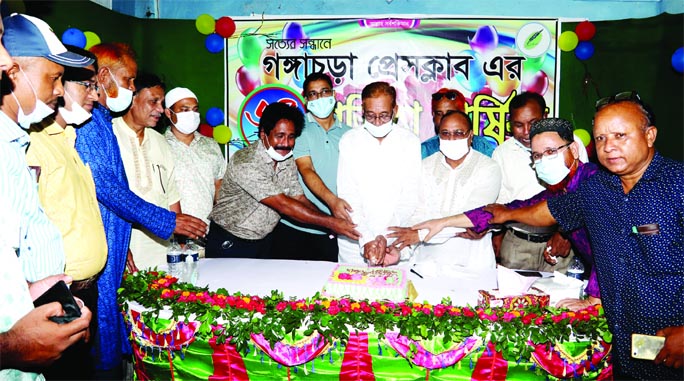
column 311, row 119
column 10, row 131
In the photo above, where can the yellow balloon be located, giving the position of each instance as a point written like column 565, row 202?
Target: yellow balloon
column 568, row 41
column 205, row 24
column 584, row 136
column 92, row 39
column 222, row 134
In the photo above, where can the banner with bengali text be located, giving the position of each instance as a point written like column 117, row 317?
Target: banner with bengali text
column 488, row 60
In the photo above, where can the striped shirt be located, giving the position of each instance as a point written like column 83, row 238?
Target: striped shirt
column 41, row 252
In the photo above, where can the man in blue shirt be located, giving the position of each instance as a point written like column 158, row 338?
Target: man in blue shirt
column 633, row 211
column 119, row 206
column 443, row 101
column 316, row 155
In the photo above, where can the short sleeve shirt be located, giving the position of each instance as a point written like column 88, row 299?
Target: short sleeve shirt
column 251, row 177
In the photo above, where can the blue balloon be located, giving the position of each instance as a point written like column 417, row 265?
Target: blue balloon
column 584, row 50
column 214, row 116
column 214, row 43
column 678, row 60
column 74, row 36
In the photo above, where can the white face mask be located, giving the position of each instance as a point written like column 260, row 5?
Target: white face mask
column 40, row 111
column 552, row 170
column 378, row 131
column 186, row 121
column 454, row 149
column 123, row 98
column 275, row 155
column 321, row 107
column 77, row 115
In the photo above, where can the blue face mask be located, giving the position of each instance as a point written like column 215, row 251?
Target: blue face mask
column 552, row 170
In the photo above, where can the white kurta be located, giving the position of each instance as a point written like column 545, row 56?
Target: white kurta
column 380, row 181
column 448, row 191
column 150, row 171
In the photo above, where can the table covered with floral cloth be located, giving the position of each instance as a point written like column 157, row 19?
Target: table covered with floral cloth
column 181, row 331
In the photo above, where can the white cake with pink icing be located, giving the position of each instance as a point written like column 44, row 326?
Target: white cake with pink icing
column 362, row 282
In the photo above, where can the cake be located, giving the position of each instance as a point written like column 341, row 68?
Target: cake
column 362, row 282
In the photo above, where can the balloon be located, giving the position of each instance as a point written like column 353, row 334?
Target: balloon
column 246, row 80
column 584, row 50
column 537, row 82
column 222, row 134
column 206, row 130
column 476, row 78
column 92, row 39
column 293, row 30
column 567, row 41
column 225, row 27
column 268, row 78
column 584, row 136
column 678, row 60
column 532, row 65
column 486, row 38
column 585, row 31
column 205, row 24
column 75, row 37
column 250, row 47
column 214, row 43
column 214, row 116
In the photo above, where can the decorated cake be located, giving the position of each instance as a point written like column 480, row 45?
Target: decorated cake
column 362, row 282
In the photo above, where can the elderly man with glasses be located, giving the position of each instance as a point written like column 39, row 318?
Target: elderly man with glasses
column 378, row 175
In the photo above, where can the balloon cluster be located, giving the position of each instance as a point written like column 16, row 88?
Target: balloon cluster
column 579, row 40
column 215, row 30
column 216, row 127
column 80, row 39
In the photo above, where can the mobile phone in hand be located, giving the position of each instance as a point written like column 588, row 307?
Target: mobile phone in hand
column 60, row 292
column 646, row 347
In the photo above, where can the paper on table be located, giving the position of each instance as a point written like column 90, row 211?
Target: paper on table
column 511, row 283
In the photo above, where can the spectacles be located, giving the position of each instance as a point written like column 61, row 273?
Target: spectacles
column 458, row 134
column 450, row 95
column 623, row 96
column 383, row 118
column 88, row 85
column 315, row 95
column 549, row 153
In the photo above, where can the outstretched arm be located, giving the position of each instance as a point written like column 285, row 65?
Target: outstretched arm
column 339, row 207
column 535, row 215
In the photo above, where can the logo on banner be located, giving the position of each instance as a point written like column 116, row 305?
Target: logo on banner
column 252, row 108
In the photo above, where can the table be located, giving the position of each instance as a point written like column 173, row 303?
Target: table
column 270, row 336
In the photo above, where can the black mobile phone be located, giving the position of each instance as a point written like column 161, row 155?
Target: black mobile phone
column 529, row 273
column 60, row 292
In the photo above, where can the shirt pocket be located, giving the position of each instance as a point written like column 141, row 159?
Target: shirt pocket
column 661, row 254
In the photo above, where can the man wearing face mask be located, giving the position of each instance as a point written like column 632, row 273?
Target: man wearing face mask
column 200, row 165
column 378, row 175
column 316, row 155
column 557, row 164
column 454, row 180
column 119, row 206
column 259, row 187
column 67, row 193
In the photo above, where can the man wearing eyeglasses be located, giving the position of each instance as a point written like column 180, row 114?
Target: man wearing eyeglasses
column 316, row 155
column 67, row 194
column 633, row 212
column 444, row 101
column 378, row 175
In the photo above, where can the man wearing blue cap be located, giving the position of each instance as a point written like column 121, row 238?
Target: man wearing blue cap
column 30, row 89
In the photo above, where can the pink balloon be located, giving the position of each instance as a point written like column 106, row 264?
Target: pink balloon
column 486, row 38
column 246, row 80
column 537, row 82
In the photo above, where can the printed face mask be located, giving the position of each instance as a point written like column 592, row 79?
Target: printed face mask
column 321, row 107
column 454, row 149
column 552, row 170
column 187, row 121
column 123, row 98
column 40, row 111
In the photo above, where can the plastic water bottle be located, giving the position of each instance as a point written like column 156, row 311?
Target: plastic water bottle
column 576, row 268
column 191, row 262
column 174, row 260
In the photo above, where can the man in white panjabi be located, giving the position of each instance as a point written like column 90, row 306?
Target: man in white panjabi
column 453, row 180
column 149, row 166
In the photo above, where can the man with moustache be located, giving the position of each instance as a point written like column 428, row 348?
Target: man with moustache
column 119, row 206
column 30, row 245
column 633, row 212
column 67, row 194
column 259, row 187
column 149, row 166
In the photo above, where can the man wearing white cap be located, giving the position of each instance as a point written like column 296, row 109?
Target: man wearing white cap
column 30, row 246
column 200, row 165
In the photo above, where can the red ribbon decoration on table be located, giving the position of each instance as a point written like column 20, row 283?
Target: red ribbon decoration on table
column 357, row 364
column 228, row 364
column 490, row 366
